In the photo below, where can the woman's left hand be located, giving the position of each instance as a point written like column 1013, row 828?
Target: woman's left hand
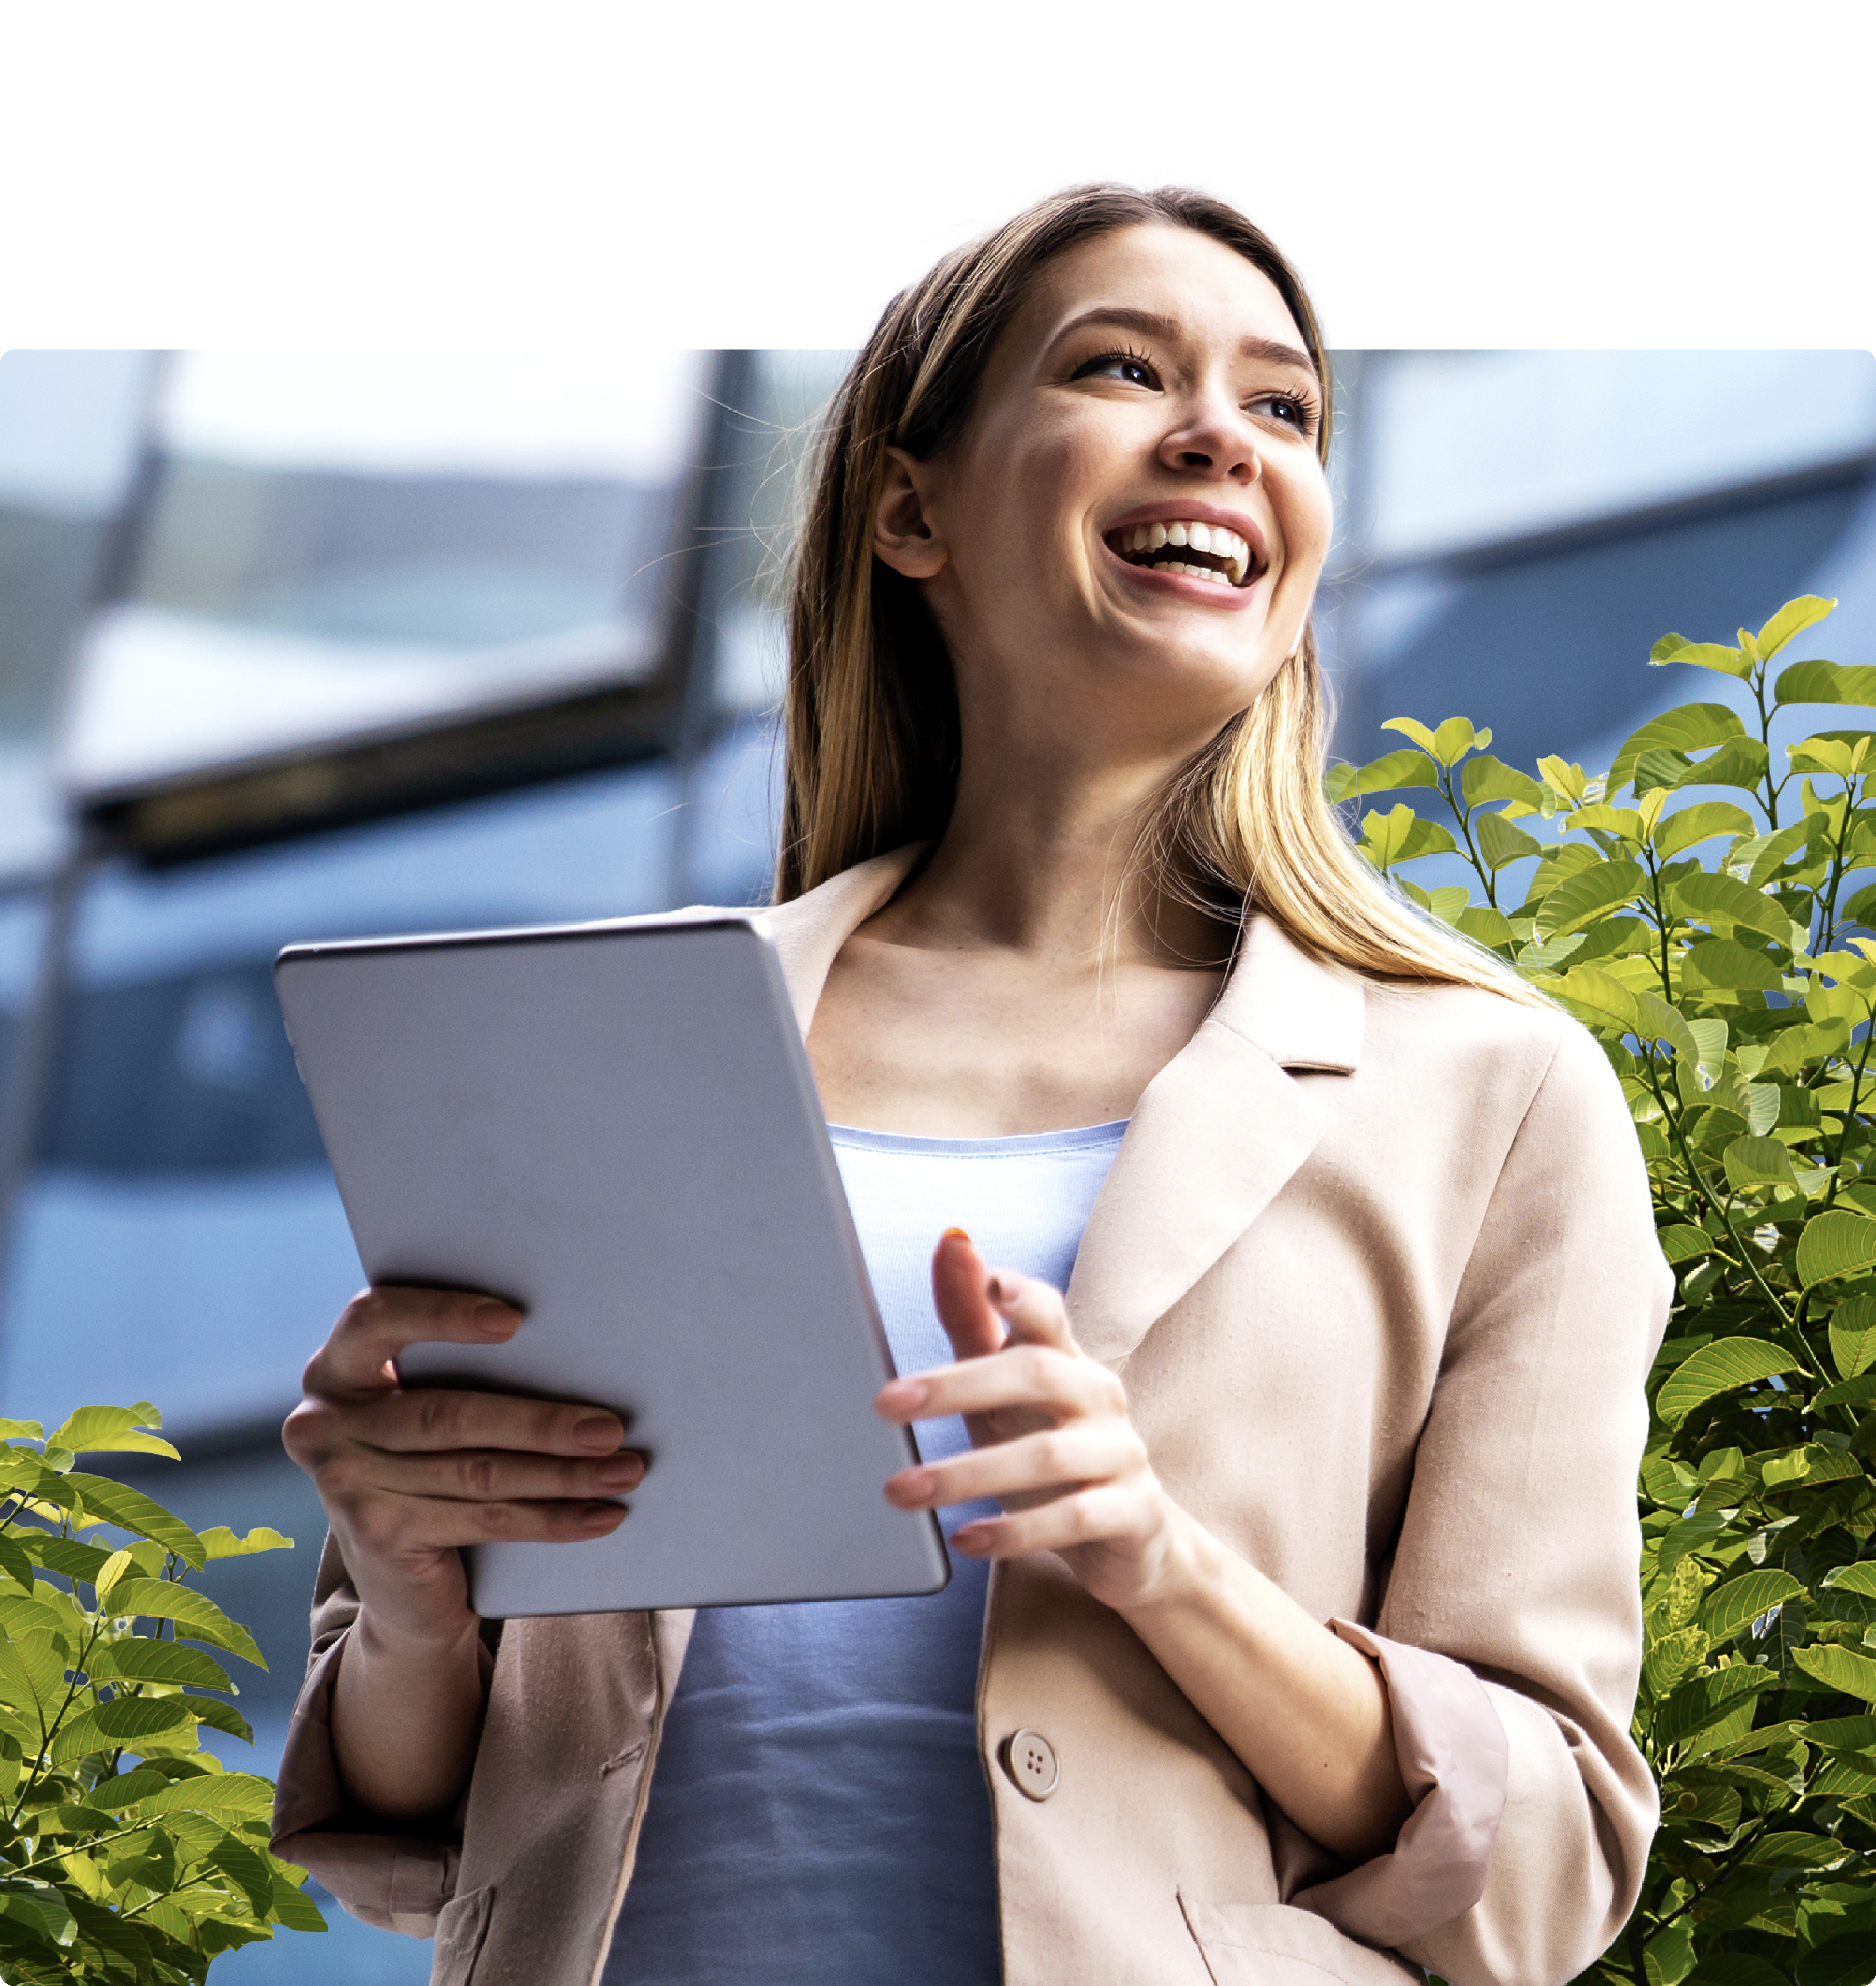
column 1051, row 1438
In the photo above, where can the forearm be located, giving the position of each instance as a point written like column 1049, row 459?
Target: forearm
column 406, row 1717
column 1307, row 1714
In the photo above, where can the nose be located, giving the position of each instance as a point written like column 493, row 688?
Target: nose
column 1214, row 440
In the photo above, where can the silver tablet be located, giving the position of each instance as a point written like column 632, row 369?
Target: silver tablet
column 615, row 1126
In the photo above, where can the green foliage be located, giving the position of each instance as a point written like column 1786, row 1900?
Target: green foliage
column 127, row 1854
column 1716, row 950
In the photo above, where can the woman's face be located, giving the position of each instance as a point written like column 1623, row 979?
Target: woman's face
column 1122, row 544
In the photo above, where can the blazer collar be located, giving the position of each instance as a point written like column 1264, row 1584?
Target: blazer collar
column 1215, row 1137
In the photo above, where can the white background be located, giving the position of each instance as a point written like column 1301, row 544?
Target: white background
column 1514, row 174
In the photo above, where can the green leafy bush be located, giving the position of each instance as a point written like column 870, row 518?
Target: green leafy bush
column 127, row 1854
column 1716, row 947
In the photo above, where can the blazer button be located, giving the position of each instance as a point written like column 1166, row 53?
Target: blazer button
column 1029, row 1759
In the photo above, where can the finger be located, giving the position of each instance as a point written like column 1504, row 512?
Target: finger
column 1034, row 1310
column 443, row 1417
column 960, row 1289
column 1108, row 1513
column 433, row 1523
column 1026, row 1375
column 378, row 1324
column 1070, row 1458
column 495, row 1476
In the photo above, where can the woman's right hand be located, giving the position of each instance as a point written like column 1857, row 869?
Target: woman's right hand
column 408, row 1476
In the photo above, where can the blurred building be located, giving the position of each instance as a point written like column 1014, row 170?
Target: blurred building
column 295, row 646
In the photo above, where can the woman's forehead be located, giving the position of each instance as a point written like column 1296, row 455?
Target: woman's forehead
column 1197, row 286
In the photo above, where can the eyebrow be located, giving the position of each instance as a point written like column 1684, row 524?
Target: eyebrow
column 1152, row 323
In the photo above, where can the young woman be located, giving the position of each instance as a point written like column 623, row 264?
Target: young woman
column 1299, row 1433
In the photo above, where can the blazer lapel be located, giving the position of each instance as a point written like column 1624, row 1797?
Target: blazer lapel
column 810, row 931
column 1217, row 1135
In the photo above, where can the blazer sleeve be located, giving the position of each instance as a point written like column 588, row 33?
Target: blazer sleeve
column 1519, row 1552
column 397, row 1882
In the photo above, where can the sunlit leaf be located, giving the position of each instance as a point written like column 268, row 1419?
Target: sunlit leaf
column 1737, row 1603
column 1839, row 1668
column 1857, row 1577
column 1592, row 894
column 1689, row 825
column 1701, row 655
column 110, row 1430
column 1687, row 729
column 1751, row 1162
column 138, row 1658
column 1401, row 835
column 1852, row 1335
column 1485, row 778
column 222, row 1543
column 1499, row 842
column 1836, row 1244
column 194, row 1614
column 1387, row 774
column 1719, row 1368
column 118, row 1725
column 1792, row 619
column 131, row 1510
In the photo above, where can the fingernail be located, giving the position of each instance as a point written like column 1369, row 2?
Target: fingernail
column 601, row 1432
column 954, row 1235
column 901, row 1396
column 970, row 1540
column 910, row 1485
column 600, row 1517
column 622, row 1472
column 1003, row 1288
column 497, row 1319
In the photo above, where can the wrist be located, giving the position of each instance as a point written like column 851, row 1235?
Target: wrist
column 384, row 1642
column 1187, row 1569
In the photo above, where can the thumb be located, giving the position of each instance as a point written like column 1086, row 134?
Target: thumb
column 961, row 1289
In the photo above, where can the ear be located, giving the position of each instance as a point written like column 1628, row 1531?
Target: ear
column 903, row 533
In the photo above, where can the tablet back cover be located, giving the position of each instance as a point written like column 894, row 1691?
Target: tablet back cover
column 616, row 1127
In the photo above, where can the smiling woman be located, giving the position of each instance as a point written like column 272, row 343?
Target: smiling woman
column 1295, row 1627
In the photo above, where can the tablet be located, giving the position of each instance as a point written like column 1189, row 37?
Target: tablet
column 615, row 1126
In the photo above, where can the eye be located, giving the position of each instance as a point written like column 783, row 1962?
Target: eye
column 1130, row 367
column 1292, row 410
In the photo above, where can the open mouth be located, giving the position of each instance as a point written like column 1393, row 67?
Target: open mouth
column 1199, row 551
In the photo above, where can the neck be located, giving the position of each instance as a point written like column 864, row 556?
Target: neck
column 1039, row 859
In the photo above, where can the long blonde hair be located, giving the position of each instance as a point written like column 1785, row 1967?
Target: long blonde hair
column 872, row 726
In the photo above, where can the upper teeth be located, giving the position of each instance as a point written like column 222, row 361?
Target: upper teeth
column 1212, row 538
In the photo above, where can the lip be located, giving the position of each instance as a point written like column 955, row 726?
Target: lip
column 1180, row 510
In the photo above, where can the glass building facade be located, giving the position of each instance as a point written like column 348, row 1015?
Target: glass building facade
column 290, row 651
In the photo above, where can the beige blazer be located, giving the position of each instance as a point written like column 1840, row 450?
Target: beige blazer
column 1378, row 1268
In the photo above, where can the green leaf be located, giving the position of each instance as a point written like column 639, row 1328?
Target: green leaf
column 1791, row 619
column 1850, row 1391
column 1826, row 682
column 220, row 1716
column 1483, row 925
column 138, row 1658
column 1713, row 897
column 1701, row 655
column 1688, row 826
column 1499, row 842
column 250, row 1871
column 1838, row 1667
column 1836, row 1244
column 120, row 1430
column 109, row 1502
column 1841, row 757
column 1385, row 775
column 115, row 1796
column 1591, row 893
column 1485, row 778
column 1719, row 1368
column 1682, row 1243
column 194, row 1614
column 294, row 1908
column 1793, row 1848
column 1741, row 762
column 118, row 1725
column 1857, row 1577
column 222, row 1543
column 1688, row 728
column 1852, row 1335
column 1400, row 835
column 1594, row 996
column 1751, row 1162
column 229, row 1795
column 1739, row 1602
column 1726, row 964
column 1410, row 727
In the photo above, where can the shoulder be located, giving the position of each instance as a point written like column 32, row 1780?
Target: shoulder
column 1480, row 1050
